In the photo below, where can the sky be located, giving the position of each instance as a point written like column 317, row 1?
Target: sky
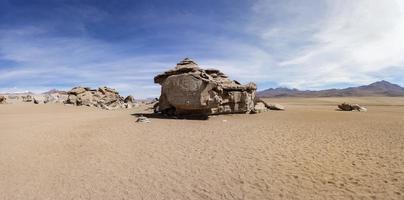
column 311, row 44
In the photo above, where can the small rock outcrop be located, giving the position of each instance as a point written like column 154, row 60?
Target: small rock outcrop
column 3, row 99
column 262, row 106
column 276, row 107
column 351, row 107
column 143, row 119
column 188, row 89
column 104, row 97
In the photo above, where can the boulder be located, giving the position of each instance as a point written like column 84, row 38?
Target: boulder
column 260, row 107
column 36, row 101
column 351, row 107
column 3, row 99
column 276, row 107
column 143, row 119
column 27, row 98
column 129, row 99
column 359, row 108
column 78, row 90
column 188, row 89
column 259, row 102
column 345, row 107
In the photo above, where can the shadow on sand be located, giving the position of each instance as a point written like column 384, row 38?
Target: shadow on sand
column 162, row 116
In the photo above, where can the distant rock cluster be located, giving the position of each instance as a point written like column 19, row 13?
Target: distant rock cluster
column 351, row 107
column 103, row 97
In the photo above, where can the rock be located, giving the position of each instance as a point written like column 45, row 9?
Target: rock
column 188, row 89
column 345, row 107
column 359, row 108
column 48, row 99
column 260, row 107
column 104, row 97
column 143, row 119
column 128, row 105
column 78, row 90
column 349, row 107
column 27, row 98
column 36, row 101
column 362, row 109
column 129, row 99
column 3, row 99
column 276, row 107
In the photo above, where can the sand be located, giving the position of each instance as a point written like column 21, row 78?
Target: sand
column 309, row 151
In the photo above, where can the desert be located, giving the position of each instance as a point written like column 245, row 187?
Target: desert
column 309, row 151
column 201, row 100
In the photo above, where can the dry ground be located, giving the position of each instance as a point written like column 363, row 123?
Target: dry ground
column 309, row 151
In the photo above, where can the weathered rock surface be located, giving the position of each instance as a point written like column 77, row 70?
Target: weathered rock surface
column 188, row 89
column 3, row 99
column 104, row 97
column 351, row 107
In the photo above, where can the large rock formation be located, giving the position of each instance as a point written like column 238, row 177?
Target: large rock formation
column 104, row 97
column 3, row 99
column 188, row 89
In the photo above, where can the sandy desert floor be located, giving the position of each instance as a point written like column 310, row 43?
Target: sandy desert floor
column 309, row 151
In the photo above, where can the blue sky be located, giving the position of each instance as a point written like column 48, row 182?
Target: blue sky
column 311, row 44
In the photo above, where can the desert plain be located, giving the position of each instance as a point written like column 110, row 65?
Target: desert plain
column 309, row 151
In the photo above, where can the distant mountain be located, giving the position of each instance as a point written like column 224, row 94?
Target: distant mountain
column 18, row 93
column 380, row 88
column 54, row 91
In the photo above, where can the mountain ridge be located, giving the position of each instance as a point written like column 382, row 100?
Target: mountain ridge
column 379, row 88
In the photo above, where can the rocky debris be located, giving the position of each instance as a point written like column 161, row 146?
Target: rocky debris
column 104, row 97
column 351, row 107
column 3, row 99
column 188, row 89
column 143, row 119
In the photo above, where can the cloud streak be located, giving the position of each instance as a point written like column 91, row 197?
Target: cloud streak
column 348, row 43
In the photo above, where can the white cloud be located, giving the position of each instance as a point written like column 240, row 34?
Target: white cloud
column 304, row 44
column 345, row 43
column 49, row 62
